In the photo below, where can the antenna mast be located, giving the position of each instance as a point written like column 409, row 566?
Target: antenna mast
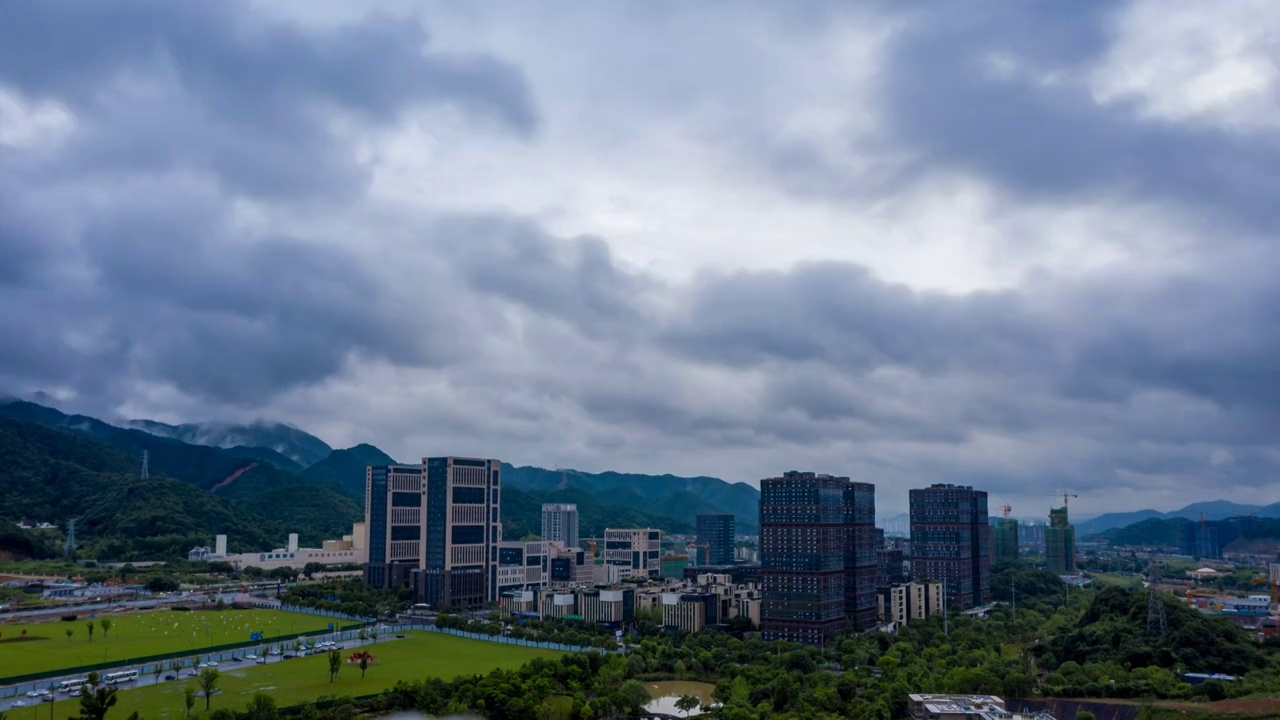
column 1157, row 620
column 70, row 547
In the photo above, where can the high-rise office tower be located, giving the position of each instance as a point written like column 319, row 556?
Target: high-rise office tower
column 1060, row 543
column 435, row 528
column 716, row 534
column 560, row 523
column 394, row 523
column 950, row 541
column 817, row 554
column 861, row 544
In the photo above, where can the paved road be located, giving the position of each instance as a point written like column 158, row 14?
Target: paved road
column 32, row 705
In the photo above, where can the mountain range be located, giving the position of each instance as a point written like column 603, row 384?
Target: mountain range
column 281, row 479
column 1212, row 509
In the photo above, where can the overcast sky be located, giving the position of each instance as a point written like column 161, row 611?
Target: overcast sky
column 1025, row 245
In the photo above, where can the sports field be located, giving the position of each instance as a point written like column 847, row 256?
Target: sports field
column 418, row 656
column 139, row 634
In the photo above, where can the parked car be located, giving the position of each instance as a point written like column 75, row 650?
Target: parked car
column 47, row 698
column 288, row 656
column 19, row 703
column 34, row 693
column 250, row 656
column 170, row 677
column 261, row 661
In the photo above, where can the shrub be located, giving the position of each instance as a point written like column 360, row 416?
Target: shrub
column 68, row 618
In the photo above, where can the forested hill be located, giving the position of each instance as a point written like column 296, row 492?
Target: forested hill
column 54, row 475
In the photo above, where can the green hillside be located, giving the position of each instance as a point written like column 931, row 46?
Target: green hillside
column 54, row 475
column 669, row 496
column 522, row 514
column 343, row 471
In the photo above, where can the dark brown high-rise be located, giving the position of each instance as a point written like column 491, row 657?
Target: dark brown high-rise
column 817, row 554
column 950, row 541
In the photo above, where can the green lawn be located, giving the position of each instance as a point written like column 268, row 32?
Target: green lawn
column 139, row 634
column 290, row 682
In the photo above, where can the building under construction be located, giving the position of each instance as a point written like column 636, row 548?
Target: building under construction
column 1005, row 536
column 1060, row 543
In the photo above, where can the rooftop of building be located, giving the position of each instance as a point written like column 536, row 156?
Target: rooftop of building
column 973, row 707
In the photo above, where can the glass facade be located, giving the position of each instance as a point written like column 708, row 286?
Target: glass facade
column 950, row 539
column 817, row 553
column 716, row 532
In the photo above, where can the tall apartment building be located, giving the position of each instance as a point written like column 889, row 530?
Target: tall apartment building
column 1005, row 539
column 560, row 523
column 950, row 541
column 636, row 552
column 435, row 528
column 716, row 533
column 861, row 544
column 1060, row 543
column 817, row 554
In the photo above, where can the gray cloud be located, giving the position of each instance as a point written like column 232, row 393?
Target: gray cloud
column 203, row 226
column 211, row 87
column 1055, row 141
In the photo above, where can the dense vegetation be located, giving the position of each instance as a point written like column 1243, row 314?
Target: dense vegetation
column 54, row 475
column 679, row 498
column 343, row 471
column 352, row 597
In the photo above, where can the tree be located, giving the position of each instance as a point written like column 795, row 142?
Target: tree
column 93, row 678
column 157, row 670
column 634, row 695
column 95, row 704
column 208, row 684
column 363, row 659
column 262, row 707
column 70, row 632
column 189, row 698
column 1086, row 715
column 335, row 664
column 686, row 703
column 106, row 624
column 90, row 626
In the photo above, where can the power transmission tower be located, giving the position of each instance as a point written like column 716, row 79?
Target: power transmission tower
column 1157, row 620
column 146, row 470
column 70, row 547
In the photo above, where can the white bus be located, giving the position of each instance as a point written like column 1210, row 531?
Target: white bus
column 67, row 686
column 123, row 676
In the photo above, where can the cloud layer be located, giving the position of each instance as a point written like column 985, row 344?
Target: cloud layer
column 1030, row 250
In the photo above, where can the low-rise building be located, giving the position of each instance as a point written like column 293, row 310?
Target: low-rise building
column 350, row 550
column 965, row 707
column 636, row 551
column 690, row 611
column 900, row 604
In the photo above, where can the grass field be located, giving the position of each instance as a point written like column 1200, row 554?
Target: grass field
column 138, row 634
column 290, row 682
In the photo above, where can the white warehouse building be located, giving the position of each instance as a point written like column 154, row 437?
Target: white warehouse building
column 350, row 550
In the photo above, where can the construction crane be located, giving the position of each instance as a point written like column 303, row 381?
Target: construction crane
column 1065, row 495
column 1005, row 509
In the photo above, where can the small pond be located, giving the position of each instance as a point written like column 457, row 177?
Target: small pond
column 666, row 692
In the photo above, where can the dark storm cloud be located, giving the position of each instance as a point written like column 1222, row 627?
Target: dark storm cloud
column 239, row 318
column 843, row 315
column 577, row 280
column 203, row 86
column 1056, row 141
